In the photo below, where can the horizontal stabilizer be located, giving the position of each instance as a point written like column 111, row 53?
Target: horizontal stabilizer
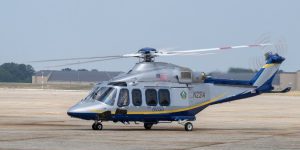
column 282, row 91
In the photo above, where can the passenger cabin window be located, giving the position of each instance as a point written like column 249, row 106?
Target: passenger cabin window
column 164, row 97
column 151, row 97
column 123, row 98
column 136, row 97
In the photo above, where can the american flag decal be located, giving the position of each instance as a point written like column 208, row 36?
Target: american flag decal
column 162, row 77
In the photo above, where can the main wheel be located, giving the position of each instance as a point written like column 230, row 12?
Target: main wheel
column 94, row 126
column 97, row 126
column 148, row 126
column 188, row 126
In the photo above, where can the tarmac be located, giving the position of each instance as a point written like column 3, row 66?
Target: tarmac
column 37, row 119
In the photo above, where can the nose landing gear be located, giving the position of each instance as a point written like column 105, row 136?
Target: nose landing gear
column 97, row 126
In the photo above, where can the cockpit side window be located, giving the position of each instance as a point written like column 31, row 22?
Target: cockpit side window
column 111, row 99
column 136, row 97
column 123, row 98
column 164, row 97
column 151, row 97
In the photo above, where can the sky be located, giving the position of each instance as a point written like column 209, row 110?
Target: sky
column 40, row 29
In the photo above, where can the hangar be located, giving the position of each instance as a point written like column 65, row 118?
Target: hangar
column 291, row 79
column 71, row 77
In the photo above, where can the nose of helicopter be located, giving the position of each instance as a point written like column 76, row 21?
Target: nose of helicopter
column 82, row 112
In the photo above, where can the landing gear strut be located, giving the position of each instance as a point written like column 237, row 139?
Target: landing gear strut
column 97, row 126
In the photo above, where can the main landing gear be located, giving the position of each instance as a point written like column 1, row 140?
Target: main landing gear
column 97, row 126
column 188, row 126
column 148, row 126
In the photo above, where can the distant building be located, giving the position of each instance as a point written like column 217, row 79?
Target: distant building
column 71, row 77
column 290, row 79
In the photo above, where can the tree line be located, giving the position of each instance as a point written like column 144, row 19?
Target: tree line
column 69, row 69
column 22, row 73
column 12, row 72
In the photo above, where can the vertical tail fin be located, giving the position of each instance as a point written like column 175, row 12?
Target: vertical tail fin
column 264, row 77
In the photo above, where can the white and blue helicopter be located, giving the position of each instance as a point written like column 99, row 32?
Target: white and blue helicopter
column 156, row 92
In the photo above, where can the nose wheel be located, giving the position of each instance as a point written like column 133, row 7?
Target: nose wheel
column 97, row 126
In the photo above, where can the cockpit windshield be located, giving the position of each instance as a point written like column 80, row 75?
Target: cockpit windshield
column 106, row 95
column 91, row 94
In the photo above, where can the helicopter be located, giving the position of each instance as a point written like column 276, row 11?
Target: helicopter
column 159, row 92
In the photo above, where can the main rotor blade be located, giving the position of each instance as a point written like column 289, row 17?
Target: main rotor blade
column 133, row 55
column 202, row 51
column 190, row 54
column 78, row 58
column 84, row 62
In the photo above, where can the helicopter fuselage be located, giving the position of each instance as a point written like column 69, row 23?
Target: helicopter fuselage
column 153, row 92
column 153, row 103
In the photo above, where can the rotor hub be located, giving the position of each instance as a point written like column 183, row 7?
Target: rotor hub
column 147, row 54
